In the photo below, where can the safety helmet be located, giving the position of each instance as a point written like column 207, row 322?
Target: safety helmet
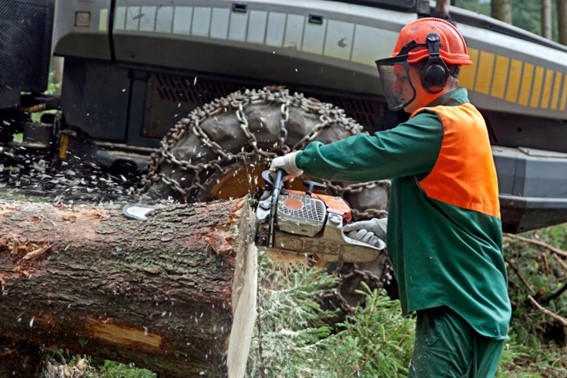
column 429, row 38
column 452, row 46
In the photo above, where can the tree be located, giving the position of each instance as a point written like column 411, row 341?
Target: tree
column 501, row 10
column 57, row 69
column 546, row 23
column 562, row 21
column 442, row 8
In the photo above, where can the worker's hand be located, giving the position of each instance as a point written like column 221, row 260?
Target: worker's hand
column 371, row 231
column 287, row 163
column 367, row 237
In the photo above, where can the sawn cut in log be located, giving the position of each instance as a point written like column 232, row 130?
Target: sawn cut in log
column 159, row 293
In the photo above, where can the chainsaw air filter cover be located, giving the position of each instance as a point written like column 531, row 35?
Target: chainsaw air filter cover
column 300, row 214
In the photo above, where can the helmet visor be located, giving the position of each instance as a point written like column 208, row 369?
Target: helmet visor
column 399, row 90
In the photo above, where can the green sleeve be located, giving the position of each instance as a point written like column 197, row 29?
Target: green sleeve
column 410, row 148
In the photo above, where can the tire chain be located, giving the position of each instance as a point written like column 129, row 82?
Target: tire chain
column 371, row 279
column 237, row 101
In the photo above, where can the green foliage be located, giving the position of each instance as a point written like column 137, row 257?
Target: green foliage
column 295, row 339
column 376, row 341
column 52, row 85
column 526, row 14
column 475, row 6
column 290, row 321
column 112, row 369
column 80, row 366
column 535, row 271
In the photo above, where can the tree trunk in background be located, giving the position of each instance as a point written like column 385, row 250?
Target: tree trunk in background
column 57, row 64
column 159, row 293
column 442, row 8
column 562, row 21
column 546, row 21
column 501, row 10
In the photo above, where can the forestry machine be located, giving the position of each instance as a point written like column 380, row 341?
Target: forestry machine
column 199, row 95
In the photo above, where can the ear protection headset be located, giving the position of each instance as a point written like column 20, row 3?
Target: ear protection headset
column 435, row 72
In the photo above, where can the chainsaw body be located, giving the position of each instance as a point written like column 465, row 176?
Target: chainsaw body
column 308, row 223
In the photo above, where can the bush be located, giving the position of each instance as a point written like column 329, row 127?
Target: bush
column 294, row 337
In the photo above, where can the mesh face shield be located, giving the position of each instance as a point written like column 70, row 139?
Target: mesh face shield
column 399, row 90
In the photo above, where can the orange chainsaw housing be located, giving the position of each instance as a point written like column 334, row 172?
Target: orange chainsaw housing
column 334, row 204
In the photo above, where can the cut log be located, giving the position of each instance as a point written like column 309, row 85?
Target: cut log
column 159, row 293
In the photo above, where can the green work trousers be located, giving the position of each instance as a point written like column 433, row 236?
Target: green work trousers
column 447, row 346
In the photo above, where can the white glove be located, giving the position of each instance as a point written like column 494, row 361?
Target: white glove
column 371, row 231
column 287, row 163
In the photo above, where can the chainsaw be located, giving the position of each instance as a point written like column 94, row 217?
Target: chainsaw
column 307, row 223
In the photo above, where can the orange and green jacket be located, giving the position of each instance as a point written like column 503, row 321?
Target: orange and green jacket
column 444, row 229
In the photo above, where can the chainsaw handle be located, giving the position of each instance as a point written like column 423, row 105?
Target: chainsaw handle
column 277, row 184
column 312, row 186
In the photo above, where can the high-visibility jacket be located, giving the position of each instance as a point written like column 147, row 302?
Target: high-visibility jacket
column 444, row 229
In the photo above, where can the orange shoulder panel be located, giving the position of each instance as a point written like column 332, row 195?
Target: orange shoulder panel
column 464, row 174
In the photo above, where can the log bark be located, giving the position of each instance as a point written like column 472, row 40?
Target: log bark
column 159, row 293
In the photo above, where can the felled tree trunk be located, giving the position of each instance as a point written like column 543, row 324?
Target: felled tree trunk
column 160, row 293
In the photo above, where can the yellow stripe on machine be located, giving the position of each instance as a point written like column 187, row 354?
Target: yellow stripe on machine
column 484, row 73
column 556, row 89
column 564, row 95
column 500, row 76
column 468, row 73
column 546, row 95
column 536, row 90
column 514, row 80
column 526, row 85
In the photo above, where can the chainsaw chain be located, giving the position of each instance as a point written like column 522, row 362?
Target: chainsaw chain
column 237, row 101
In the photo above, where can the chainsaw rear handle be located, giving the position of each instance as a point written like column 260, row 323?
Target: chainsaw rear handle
column 312, row 186
column 279, row 177
column 278, row 185
column 276, row 182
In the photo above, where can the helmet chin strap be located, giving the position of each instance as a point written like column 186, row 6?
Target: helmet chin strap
column 421, row 95
column 409, row 102
column 425, row 98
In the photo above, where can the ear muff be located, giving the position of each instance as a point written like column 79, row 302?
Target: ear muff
column 435, row 72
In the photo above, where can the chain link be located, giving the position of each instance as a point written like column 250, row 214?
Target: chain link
column 372, row 280
column 283, row 130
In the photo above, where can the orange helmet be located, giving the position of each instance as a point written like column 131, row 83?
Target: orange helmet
column 452, row 46
column 431, row 39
